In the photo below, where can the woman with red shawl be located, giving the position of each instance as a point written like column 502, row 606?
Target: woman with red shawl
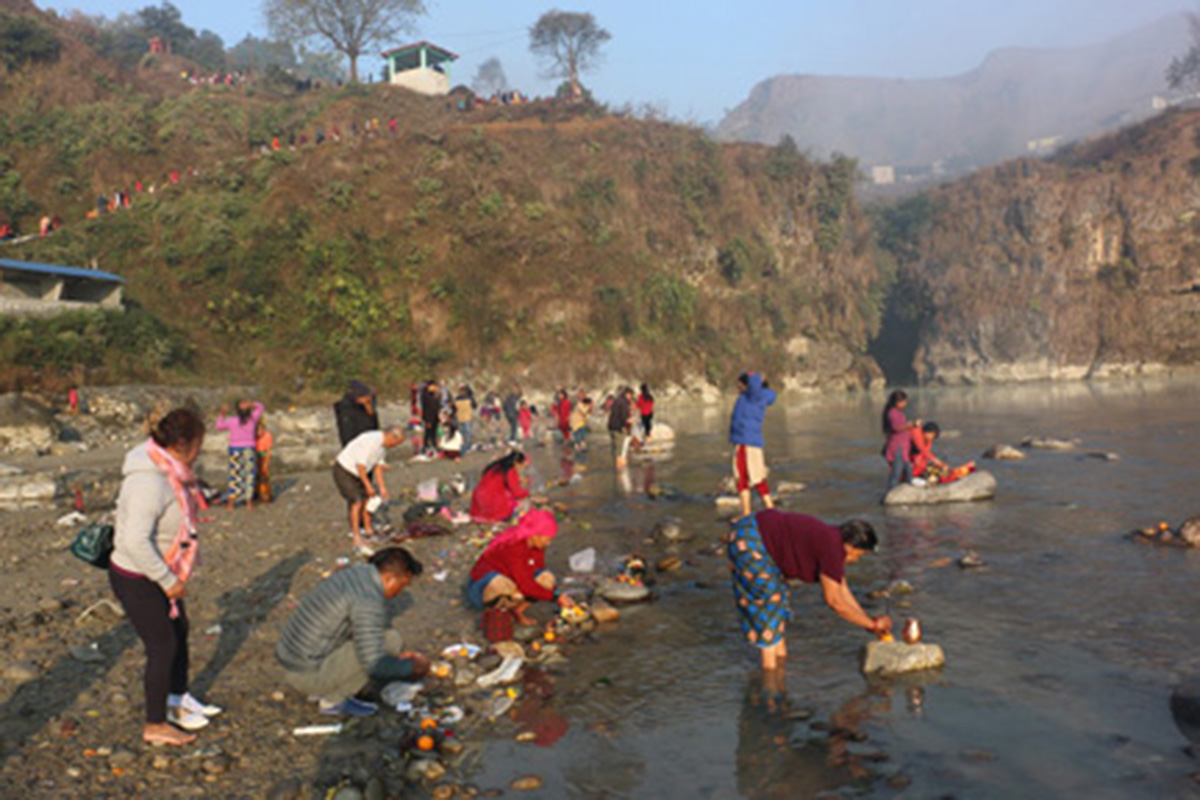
column 512, row 569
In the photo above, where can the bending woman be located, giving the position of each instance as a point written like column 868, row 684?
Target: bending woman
column 154, row 553
column 772, row 547
column 243, row 462
column 512, row 570
column 499, row 491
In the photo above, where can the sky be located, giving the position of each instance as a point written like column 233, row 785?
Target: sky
column 695, row 60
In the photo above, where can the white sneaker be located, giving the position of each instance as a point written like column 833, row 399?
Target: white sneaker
column 191, row 705
column 185, row 719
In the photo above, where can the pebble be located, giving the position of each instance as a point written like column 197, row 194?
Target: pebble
column 433, row 770
column 899, row 782
column 800, row 714
column 87, row 653
column 444, row 791
column 74, row 772
column 900, row 587
column 525, row 736
column 119, row 699
column 121, row 758
column 669, row 564
column 160, row 762
column 347, row 793
column 277, row 697
column 528, row 783
column 217, row 765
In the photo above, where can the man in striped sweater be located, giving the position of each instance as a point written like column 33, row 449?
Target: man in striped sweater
column 338, row 639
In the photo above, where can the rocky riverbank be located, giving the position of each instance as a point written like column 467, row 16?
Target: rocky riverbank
column 70, row 676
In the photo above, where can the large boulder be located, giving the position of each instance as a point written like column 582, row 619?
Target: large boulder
column 1189, row 532
column 27, row 491
column 897, row 658
column 1049, row 443
column 976, row 486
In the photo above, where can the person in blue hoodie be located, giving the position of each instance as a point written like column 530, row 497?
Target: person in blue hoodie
column 746, row 436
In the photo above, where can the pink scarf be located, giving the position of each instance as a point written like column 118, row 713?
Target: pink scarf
column 181, row 558
column 538, row 522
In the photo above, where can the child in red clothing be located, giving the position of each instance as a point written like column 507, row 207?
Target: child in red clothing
column 499, row 489
column 512, row 570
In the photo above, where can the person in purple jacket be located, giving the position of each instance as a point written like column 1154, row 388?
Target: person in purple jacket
column 746, row 436
column 898, row 430
column 243, row 458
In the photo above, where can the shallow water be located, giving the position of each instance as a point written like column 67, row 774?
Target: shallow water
column 1061, row 653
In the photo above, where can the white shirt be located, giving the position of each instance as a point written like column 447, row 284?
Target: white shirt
column 366, row 449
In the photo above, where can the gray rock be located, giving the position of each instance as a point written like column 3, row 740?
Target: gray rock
column 87, row 653
column 670, row 529
column 347, row 793
column 1003, row 452
column 615, row 591
column 970, row 559
column 976, row 486
column 1049, row 443
column 897, row 658
column 1103, row 456
column 788, row 487
column 121, row 758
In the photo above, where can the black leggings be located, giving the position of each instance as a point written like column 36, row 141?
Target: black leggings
column 166, row 640
column 648, row 423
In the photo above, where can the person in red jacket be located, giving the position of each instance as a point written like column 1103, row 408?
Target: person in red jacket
column 562, row 413
column 512, row 569
column 499, row 489
column 645, row 404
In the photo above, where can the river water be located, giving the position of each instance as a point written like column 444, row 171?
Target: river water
column 1061, row 652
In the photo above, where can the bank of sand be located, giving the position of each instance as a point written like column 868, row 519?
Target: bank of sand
column 73, row 730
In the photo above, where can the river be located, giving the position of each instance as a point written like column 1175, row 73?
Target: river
column 1061, row 651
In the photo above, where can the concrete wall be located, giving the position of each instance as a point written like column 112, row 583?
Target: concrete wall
column 45, row 308
column 425, row 81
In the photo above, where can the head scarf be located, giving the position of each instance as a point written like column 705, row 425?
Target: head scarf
column 538, row 522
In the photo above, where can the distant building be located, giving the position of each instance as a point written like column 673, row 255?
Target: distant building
column 421, row 67
column 883, row 176
column 43, row 289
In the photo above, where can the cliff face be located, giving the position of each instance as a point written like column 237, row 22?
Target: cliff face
column 1083, row 266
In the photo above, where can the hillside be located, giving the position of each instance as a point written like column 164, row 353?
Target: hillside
column 981, row 117
column 540, row 242
column 1083, row 266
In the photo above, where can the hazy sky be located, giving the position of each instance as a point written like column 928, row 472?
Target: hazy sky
column 699, row 59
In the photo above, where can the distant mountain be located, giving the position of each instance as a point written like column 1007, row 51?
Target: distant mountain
column 1017, row 97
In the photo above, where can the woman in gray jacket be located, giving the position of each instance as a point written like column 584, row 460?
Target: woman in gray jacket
column 154, row 550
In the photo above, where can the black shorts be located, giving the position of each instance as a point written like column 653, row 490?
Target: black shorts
column 348, row 484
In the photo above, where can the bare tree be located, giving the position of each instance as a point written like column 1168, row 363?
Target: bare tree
column 490, row 79
column 351, row 27
column 1184, row 71
column 569, row 43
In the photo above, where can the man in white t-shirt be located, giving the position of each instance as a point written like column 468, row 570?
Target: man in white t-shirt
column 354, row 474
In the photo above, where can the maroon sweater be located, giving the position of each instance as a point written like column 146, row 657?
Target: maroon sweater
column 804, row 547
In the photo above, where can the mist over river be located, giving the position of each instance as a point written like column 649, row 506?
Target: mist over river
column 1061, row 652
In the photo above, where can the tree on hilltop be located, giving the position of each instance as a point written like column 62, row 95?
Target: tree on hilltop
column 351, row 27
column 490, row 78
column 1184, row 71
column 569, row 43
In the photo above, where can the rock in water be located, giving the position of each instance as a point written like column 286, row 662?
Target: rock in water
column 1003, row 452
column 1049, row 443
column 976, row 486
column 897, row 658
column 615, row 591
column 1185, row 709
column 669, row 529
column 602, row 612
column 1189, row 532
column 529, row 783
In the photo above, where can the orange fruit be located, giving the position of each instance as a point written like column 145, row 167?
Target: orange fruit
column 425, row 742
column 428, row 723
column 550, row 636
column 1162, row 526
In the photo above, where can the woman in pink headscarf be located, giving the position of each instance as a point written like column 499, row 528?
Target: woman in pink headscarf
column 512, row 569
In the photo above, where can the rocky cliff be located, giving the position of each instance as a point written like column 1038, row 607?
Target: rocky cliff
column 1082, row 266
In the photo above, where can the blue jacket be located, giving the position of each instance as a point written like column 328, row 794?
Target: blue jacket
column 745, row 427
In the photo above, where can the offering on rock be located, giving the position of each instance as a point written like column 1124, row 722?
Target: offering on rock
column 912, row 631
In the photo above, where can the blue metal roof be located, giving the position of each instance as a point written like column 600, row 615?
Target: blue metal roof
column 66, row 272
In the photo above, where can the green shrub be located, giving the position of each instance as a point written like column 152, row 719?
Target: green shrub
column 25, row 40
